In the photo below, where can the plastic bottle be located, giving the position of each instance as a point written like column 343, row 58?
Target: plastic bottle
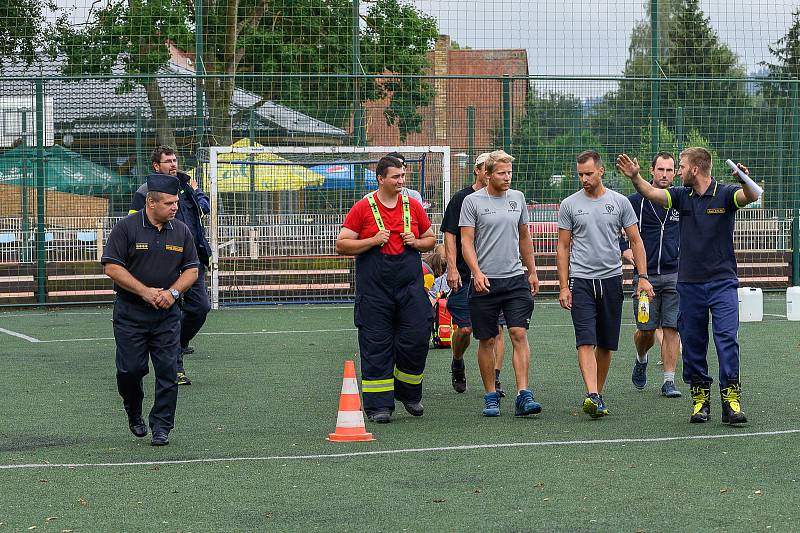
column 643, row 310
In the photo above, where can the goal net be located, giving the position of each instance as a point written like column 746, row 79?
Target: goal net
column 276, row 212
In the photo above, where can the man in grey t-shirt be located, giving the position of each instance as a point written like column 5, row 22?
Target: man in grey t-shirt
column 494, row 234
column 590, row 272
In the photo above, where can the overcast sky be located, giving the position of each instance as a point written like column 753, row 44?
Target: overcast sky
column 582, row 37
column 591, row 37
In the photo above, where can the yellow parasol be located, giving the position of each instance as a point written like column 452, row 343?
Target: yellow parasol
column 237, row 177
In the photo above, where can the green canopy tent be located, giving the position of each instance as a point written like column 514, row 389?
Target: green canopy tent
column 65, row 171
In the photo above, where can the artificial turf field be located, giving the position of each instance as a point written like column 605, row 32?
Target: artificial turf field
column 249, row 452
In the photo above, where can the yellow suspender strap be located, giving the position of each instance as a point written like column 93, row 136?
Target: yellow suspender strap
column 377, row 215
column 406, row 214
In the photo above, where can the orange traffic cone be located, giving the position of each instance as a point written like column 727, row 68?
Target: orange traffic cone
column 350, row 422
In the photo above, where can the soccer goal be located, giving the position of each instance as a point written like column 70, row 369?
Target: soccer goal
column 276, row 212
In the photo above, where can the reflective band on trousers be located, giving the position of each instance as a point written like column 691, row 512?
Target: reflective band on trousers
column 377, row 215
column 377, row 385
column 411, row 379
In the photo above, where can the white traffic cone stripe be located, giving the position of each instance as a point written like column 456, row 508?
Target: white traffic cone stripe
column 349, row 386
column 350, row 419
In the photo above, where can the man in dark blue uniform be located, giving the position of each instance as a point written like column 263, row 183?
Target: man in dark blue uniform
column 660, row 231
column 707, row 279
column 152, row 260
column 192, row 205
column 386, row 231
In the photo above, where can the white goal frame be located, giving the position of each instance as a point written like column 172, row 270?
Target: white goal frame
column 215, row 151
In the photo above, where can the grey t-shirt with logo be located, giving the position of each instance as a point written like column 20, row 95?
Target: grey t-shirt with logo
column 595, row 224
column 496, row 220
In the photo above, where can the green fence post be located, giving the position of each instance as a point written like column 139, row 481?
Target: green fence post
column 252, row 212
column 506, row 103
column 794, row 154
column 359, row 135
column 795, row 247
column 470, row 135
column 199, row 71
column 25, row 226
column 139, row 152
column 655, row 87
column 776, row 198
column 41, row 267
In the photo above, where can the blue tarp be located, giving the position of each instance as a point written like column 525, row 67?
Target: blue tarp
column 340, row 176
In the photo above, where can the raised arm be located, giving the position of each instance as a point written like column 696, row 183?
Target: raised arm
column 630, row 167
column 747, row 194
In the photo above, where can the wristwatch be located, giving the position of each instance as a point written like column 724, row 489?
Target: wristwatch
column 643, row 276
column 175, row 293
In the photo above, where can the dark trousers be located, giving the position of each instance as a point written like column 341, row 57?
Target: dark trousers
column 393, row 316
column 141, row 331
column 195, row 309
column 696, row 301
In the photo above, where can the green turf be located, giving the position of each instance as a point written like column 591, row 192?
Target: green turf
column 263, row 394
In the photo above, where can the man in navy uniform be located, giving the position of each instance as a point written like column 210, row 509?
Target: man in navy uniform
column 707, row 279
column 152, row 260
column 192, row 205
column 386, row 231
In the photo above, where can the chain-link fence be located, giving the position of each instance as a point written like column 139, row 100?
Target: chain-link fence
column 88, row 90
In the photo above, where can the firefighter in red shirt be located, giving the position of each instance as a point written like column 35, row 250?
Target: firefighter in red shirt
column 386, row 231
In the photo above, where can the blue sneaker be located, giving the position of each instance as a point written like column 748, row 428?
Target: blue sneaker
column 669, row 390
column 526, row 405
column 602, row 410
column 639, row 375
column 492, row 404
column 593, row 406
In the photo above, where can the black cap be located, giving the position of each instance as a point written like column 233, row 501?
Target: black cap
column 162, row 183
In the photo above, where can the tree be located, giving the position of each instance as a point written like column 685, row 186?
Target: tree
column 23, row 29
column 688, row 48
column 786, row 51
column 303, row 54
column 133, row 35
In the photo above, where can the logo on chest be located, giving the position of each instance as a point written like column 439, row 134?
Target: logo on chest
column 715, row 211
column 142, row 246
column 609, row 209
column 173, row 248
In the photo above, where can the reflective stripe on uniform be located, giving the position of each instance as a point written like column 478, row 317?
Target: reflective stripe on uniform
column 411, row 379
column 377, row 385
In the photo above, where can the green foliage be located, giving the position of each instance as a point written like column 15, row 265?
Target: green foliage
column 555, row 128
column 23, row 29
column 786, row 51
column 305, row 47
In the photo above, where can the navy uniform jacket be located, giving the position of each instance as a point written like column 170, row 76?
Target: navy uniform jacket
column 707, row 224
column 155, row 258
column 192, row 205
column 660, row 230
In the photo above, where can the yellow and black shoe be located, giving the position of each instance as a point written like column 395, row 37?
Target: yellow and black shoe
column 183, row 380
column 732, row 404
column 701, row 403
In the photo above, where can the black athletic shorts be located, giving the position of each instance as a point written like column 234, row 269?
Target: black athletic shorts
column 512, row 296
column 597, row 311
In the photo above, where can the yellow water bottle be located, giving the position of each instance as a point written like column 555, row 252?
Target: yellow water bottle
column 643, row 311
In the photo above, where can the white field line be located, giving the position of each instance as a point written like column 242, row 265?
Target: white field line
column 19, row 335
column 622, row 441
column 238, row 333
column 779, row 316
